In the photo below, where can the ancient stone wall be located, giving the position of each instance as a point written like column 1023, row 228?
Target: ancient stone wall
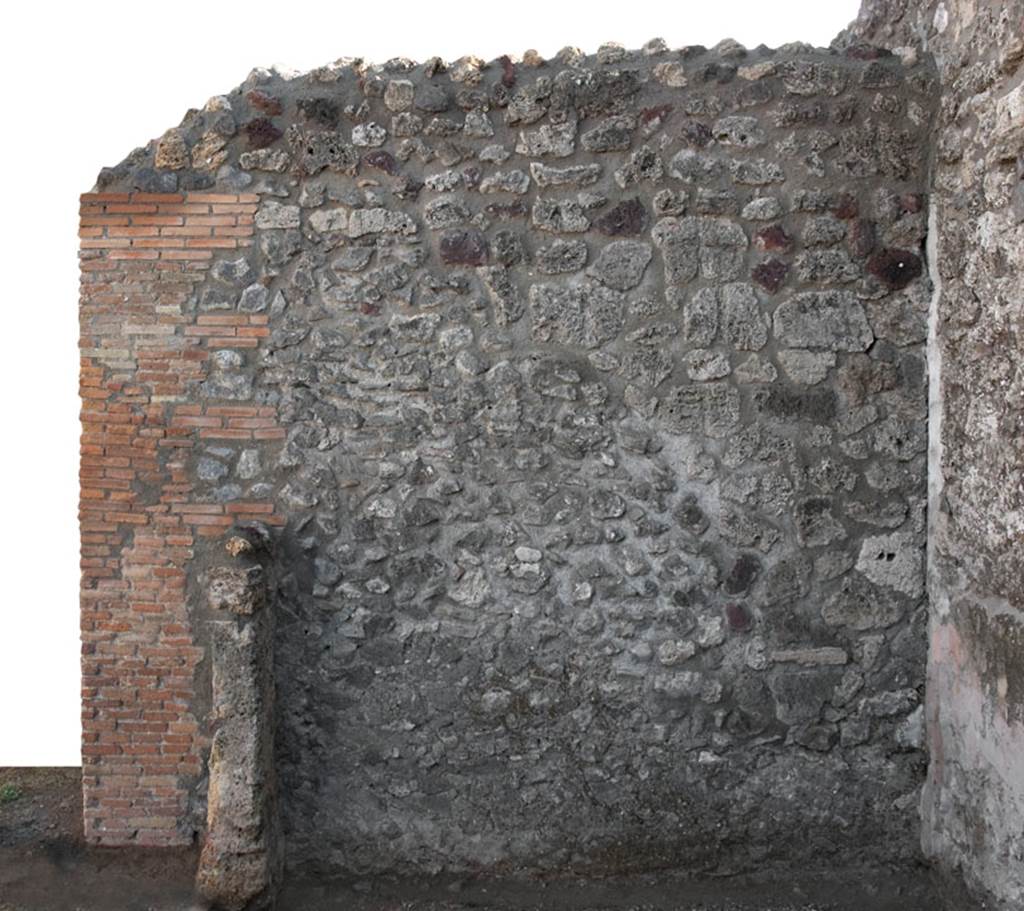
column 589, row 397
column 973, row 807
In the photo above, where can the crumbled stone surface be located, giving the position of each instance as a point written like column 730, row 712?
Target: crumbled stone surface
column 240, row 864
column 595, row 421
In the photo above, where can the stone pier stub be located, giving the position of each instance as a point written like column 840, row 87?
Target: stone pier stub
column 240, row 860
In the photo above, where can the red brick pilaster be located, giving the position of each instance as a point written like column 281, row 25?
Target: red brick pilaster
column 144, row 352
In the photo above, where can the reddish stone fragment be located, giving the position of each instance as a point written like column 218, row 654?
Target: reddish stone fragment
column 463, row 248
column 742, row 575
column 508, row 71
column 770, row 274
column 261, row 133
column 737, row 617
column 912, row 202
column 774, row 238
column 658, row 112
column 861, row 239
column 896, row 268
column 268, row 104
column 846, row 206
column 382, row 161
column 626, row 219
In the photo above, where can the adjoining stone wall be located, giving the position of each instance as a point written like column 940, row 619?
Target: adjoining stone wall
column 601, row 386
column 973, row 807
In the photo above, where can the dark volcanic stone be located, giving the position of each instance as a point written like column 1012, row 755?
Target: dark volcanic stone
column 770, row 274
column 382, row 161
column 866, row 52
column 152, row 181
column 600, row 93
column 718, row 72
column 896, row 268
column 695, row 133
column 463, row 248
column 266, row 104
column 815, row 405
column 322, row 111
column 774, row 238
column 432, row 99
column 189, row 180
column 737, row 617
column 742, row 574
column 690, row 516
column 627, row 218
column 261, row 133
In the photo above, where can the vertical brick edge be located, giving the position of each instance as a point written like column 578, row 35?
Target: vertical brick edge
column 144, row 353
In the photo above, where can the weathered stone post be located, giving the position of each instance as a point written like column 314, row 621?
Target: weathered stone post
column 241, row 858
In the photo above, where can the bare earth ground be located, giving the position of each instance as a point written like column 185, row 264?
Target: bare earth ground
column 46, row 866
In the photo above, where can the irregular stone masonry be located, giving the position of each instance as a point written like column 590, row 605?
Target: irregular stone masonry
column 589, row 396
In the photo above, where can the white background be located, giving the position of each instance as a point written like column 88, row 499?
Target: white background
column 84, row 84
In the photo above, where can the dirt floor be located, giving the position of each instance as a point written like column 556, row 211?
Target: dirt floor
column 45, row 866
